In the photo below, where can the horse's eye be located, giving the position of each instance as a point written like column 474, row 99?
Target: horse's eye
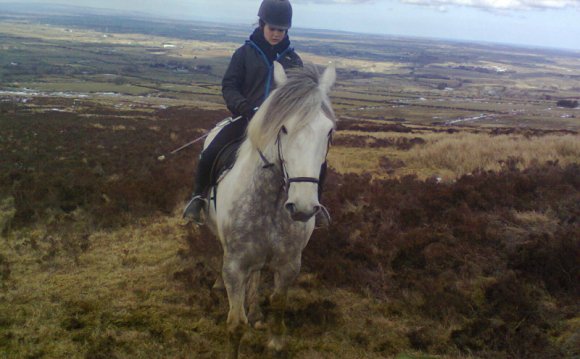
column 284, row 130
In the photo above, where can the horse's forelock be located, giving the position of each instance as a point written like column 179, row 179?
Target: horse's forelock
column 299, row 98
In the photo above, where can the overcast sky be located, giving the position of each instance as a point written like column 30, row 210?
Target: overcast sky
column 545, row 23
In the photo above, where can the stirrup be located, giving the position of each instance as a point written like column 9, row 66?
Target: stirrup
column 193, row 209
column 322, row 218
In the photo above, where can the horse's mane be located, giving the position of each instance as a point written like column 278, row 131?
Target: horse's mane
column 299, row 98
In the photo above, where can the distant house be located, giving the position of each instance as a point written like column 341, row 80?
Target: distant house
column 567, row 103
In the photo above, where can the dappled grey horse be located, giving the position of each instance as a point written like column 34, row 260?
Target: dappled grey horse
column 264, row 206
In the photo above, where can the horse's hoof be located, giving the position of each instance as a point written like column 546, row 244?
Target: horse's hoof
column 218, row 285
column 260, row 325
column 276, row 345
column 281, row 354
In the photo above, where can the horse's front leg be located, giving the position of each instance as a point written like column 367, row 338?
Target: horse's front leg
column 283, row 278
column 255, row 316
column 235, row 279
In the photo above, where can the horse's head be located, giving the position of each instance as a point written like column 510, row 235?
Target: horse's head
column 298, row 115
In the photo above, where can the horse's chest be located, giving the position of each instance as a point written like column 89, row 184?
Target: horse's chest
column 258, row 212
column 258, row 222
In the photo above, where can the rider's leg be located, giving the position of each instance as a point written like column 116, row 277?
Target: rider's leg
column 321, row 180
column 194, row 207
column 229, row 133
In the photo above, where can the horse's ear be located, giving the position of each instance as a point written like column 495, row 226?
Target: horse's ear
column 328, row 78
column 279, row 74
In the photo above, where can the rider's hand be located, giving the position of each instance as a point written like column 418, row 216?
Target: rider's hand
column 247, row 110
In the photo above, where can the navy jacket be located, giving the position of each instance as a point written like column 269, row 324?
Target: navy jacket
column 249, row 77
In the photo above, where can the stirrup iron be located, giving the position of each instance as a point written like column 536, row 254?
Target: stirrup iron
column 194, row 214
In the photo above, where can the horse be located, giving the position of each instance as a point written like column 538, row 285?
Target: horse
column 263, row 208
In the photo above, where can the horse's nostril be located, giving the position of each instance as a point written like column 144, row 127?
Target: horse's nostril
column 290, row 207
column 316, row 209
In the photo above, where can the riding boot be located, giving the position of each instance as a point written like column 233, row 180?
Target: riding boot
column 197, row 204
column 322, row 218
column 230, row 132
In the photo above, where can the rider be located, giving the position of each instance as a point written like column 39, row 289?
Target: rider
column 245, row 85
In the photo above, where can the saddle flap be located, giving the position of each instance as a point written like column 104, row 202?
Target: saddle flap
column 224, row 161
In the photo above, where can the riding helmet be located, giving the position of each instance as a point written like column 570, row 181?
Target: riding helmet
column 277, row 13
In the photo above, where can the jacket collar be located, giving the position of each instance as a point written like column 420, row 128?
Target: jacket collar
column 270, row 51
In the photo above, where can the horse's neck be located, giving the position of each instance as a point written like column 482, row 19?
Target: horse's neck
column 266, row 177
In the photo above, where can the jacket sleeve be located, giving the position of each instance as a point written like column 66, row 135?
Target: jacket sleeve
column 233, row 81
column 291, row 60
column 297, row 60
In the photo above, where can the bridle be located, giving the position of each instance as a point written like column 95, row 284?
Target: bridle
column 286, row 179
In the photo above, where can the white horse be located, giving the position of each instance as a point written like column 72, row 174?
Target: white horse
column 264, row 209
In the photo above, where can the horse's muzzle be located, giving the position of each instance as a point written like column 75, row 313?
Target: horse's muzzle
column 300, row 216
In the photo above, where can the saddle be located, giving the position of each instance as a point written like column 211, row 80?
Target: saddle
column 224, row 161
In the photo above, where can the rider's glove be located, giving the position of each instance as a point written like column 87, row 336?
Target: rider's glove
column 247, row 110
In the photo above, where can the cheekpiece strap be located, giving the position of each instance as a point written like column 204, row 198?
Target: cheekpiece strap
column 267, row 164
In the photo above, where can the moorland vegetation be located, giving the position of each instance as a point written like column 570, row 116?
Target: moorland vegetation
column 448, row 241
column 482, row 266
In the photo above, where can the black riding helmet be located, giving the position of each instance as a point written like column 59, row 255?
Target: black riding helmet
column 277, row 13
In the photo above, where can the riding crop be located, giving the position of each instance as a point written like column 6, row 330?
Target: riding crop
column 221, row 124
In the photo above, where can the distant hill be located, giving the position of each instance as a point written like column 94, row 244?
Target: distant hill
column 53, row 9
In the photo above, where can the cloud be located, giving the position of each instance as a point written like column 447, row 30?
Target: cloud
column 335, row 2
column 482, row 4
column 500, row 4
